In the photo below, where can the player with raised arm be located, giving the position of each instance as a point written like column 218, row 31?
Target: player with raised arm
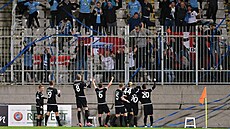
column 134, row 102
column 101, row 99
column 127, row 91
column 52, row 102
column 79, row 86
column 119, row 105
column 39, row 104
column 145, row 95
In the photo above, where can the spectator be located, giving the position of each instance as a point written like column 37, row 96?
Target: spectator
column 65, row 10
column 28, row 66
column 108, row 64
column 190, row 17
column 134, row 7
column 21, row 7
column 104, row 5
column 168, row 64
column 201, row 4
column 98, row 18
column 81, row 59
column 65, row 28
column 45, row 65
column 212, row 9
column 194, row 5
column 170, row 15
column 164, row 6
column 178, row 3
column 132, row 60
column 84, row 14
column 119, row 64
column 146, row 10
column 140, row 41
column 213, row 36
column 53, row 12
column 111, row 18
column 33, row 12
column 134, row 21
column 180, row 14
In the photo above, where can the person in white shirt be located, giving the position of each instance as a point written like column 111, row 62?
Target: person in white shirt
column 108, row 65
column 190, row 19
column 191, row 15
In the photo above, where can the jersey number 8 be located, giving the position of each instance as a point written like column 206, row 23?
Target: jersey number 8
column 49, row 94
column 77, row 88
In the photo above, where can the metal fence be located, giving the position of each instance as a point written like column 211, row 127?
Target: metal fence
column 183, row 55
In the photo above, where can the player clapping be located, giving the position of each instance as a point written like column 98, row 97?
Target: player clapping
column 39, row 104
column 134, row 101
column 119, row 105
column 52, row 103
column 79, row 86
column 101, row 99
column 145, row 95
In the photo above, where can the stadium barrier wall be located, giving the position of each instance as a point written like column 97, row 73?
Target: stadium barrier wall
column 171, row 55
column 166, row 100
column 26, row 115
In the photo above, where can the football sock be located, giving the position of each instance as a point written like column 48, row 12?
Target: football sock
column 79, row 116
column 58, row 120
column 99, row 120
column 130, row 117
column 121, row 119
column 114, row 120
column 46, row 119
column 125, row 119
column 107, row 119
column 145, row 119
column 87, row 115
column 135, row 120
column 151, row 120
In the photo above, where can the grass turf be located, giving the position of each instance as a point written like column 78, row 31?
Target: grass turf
column 85, row 128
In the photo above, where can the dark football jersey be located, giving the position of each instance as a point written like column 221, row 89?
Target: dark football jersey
column 127, row 93
column 51, row 92
column 79, row 87
column 118, row 100
column 145, row 96
column 101, row 95
column 135, row 95
column 39, row 99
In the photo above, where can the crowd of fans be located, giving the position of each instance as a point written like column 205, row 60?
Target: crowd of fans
column 144, row 52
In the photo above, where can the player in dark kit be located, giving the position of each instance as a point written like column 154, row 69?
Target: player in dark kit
column 79, row 86
column 101, row 99
column 52, row 103
column 119, row 105
column 127, row 91
column 39, row 104
column 145, row 96
column 134, row 102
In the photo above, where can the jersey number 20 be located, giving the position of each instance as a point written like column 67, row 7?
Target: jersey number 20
column 145, row 95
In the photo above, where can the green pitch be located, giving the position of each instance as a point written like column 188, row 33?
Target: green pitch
column 86, row 128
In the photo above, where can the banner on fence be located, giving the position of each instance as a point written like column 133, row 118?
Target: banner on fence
column 25, row 115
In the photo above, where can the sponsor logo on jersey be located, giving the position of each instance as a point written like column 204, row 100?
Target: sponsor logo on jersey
column 18, row 116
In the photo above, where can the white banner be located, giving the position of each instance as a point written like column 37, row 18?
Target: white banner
column 25, row 115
